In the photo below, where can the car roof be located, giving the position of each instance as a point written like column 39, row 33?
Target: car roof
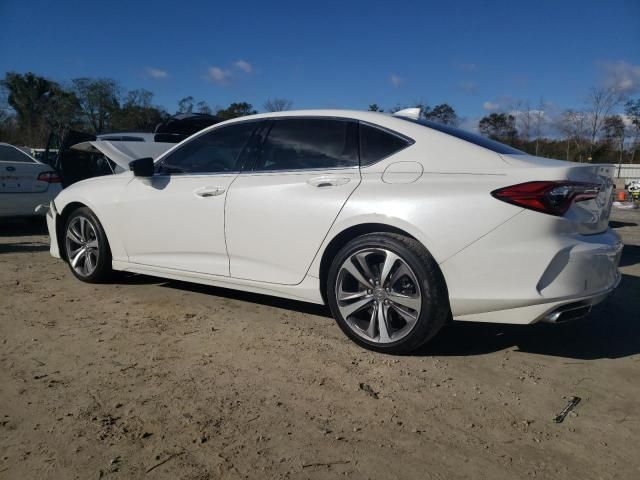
column 386, row 120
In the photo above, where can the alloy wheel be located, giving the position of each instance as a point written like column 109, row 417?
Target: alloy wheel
column 82, row 246
column 378, row 295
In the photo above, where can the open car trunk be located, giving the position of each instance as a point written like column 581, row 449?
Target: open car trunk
column 82, row 155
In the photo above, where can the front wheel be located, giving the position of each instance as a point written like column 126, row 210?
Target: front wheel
column 86, row 247
column 387, row 293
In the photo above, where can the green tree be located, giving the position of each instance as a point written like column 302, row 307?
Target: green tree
column 443, row 113
column 99, row 99
column 137, row 112
column 499, row 126
column 375, row 108
column 62, row 112
column 28, row 95
column 235, row 110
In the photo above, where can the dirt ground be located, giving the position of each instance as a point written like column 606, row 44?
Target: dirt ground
column 148, row 378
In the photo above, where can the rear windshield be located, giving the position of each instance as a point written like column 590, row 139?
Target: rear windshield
column 469, row 137
column 12, row 154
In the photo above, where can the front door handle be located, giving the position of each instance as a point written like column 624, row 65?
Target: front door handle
column 328, row 181
column 205, row 192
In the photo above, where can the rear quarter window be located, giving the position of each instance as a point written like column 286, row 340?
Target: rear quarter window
column 377, row 144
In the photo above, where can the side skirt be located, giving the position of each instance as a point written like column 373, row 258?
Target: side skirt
column 306, row 291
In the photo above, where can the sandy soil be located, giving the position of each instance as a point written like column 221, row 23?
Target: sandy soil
column 149, row 378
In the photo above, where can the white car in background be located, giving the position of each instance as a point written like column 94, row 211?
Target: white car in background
column 24, row 183
column 398, row 225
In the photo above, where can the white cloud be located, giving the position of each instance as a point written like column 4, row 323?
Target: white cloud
column 395, row 80
column 157, row 73
column 470, row 124
column 622, row 76
column 219, row 75
column 489, row 106
column 243, row 65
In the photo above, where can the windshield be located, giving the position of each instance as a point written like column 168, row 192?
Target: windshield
column 468, row 137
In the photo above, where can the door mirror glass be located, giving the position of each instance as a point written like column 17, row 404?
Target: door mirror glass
column 143, row 167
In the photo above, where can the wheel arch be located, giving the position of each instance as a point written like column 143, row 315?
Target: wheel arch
column 348, row 234
column 61, row 221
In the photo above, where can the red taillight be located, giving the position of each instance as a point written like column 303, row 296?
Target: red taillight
column 49, row 177
column 553, row 198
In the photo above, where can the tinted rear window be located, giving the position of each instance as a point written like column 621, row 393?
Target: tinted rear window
column 468, row 137
column 376, row 144
column 309, row 144
column 12, row 154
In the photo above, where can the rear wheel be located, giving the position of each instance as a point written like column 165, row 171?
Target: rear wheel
column 386, row 293
column 86, row 247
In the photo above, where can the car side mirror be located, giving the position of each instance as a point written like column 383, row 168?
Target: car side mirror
column 142, row 167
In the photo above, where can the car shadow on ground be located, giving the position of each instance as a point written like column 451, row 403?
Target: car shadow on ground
column 23, row 227
column 617, row 224
column 630, row 256
column 21, row 247
column 612, row 330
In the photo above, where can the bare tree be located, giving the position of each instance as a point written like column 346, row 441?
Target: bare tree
column 615, row 132
column 539, row 120
column 632, row 111
column 600, row 103
column 522, row 112
column 573, row 125
column 203, row 107
column 278, row 105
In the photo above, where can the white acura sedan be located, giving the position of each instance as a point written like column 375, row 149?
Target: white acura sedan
column 399, row 225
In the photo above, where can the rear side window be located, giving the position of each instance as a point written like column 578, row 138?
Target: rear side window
column 213, row 152
column 12, row 154
column 376, row 144
column 309, row 144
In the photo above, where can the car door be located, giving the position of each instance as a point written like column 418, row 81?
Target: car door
column 280, row 210
column 175, row 219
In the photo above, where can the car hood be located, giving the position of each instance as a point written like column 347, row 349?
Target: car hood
column 122, row 153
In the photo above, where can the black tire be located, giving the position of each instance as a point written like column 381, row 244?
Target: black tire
column 102, row 271
column 434, row 311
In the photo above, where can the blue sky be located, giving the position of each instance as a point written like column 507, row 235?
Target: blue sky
column 476, row 55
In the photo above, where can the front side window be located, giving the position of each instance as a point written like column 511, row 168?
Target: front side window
column 214, row 152
column 296, row 144
column 13, row 154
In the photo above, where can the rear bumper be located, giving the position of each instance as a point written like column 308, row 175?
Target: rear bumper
column 549, row 312
column 52, row 217
column 522, row 273
column 24, row 204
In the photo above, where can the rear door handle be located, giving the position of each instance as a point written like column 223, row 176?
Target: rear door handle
column 205, row 192
column 328, row 181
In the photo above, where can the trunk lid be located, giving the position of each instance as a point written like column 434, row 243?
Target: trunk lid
column 588, row 216
column 19, row 171
column 122, row 153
